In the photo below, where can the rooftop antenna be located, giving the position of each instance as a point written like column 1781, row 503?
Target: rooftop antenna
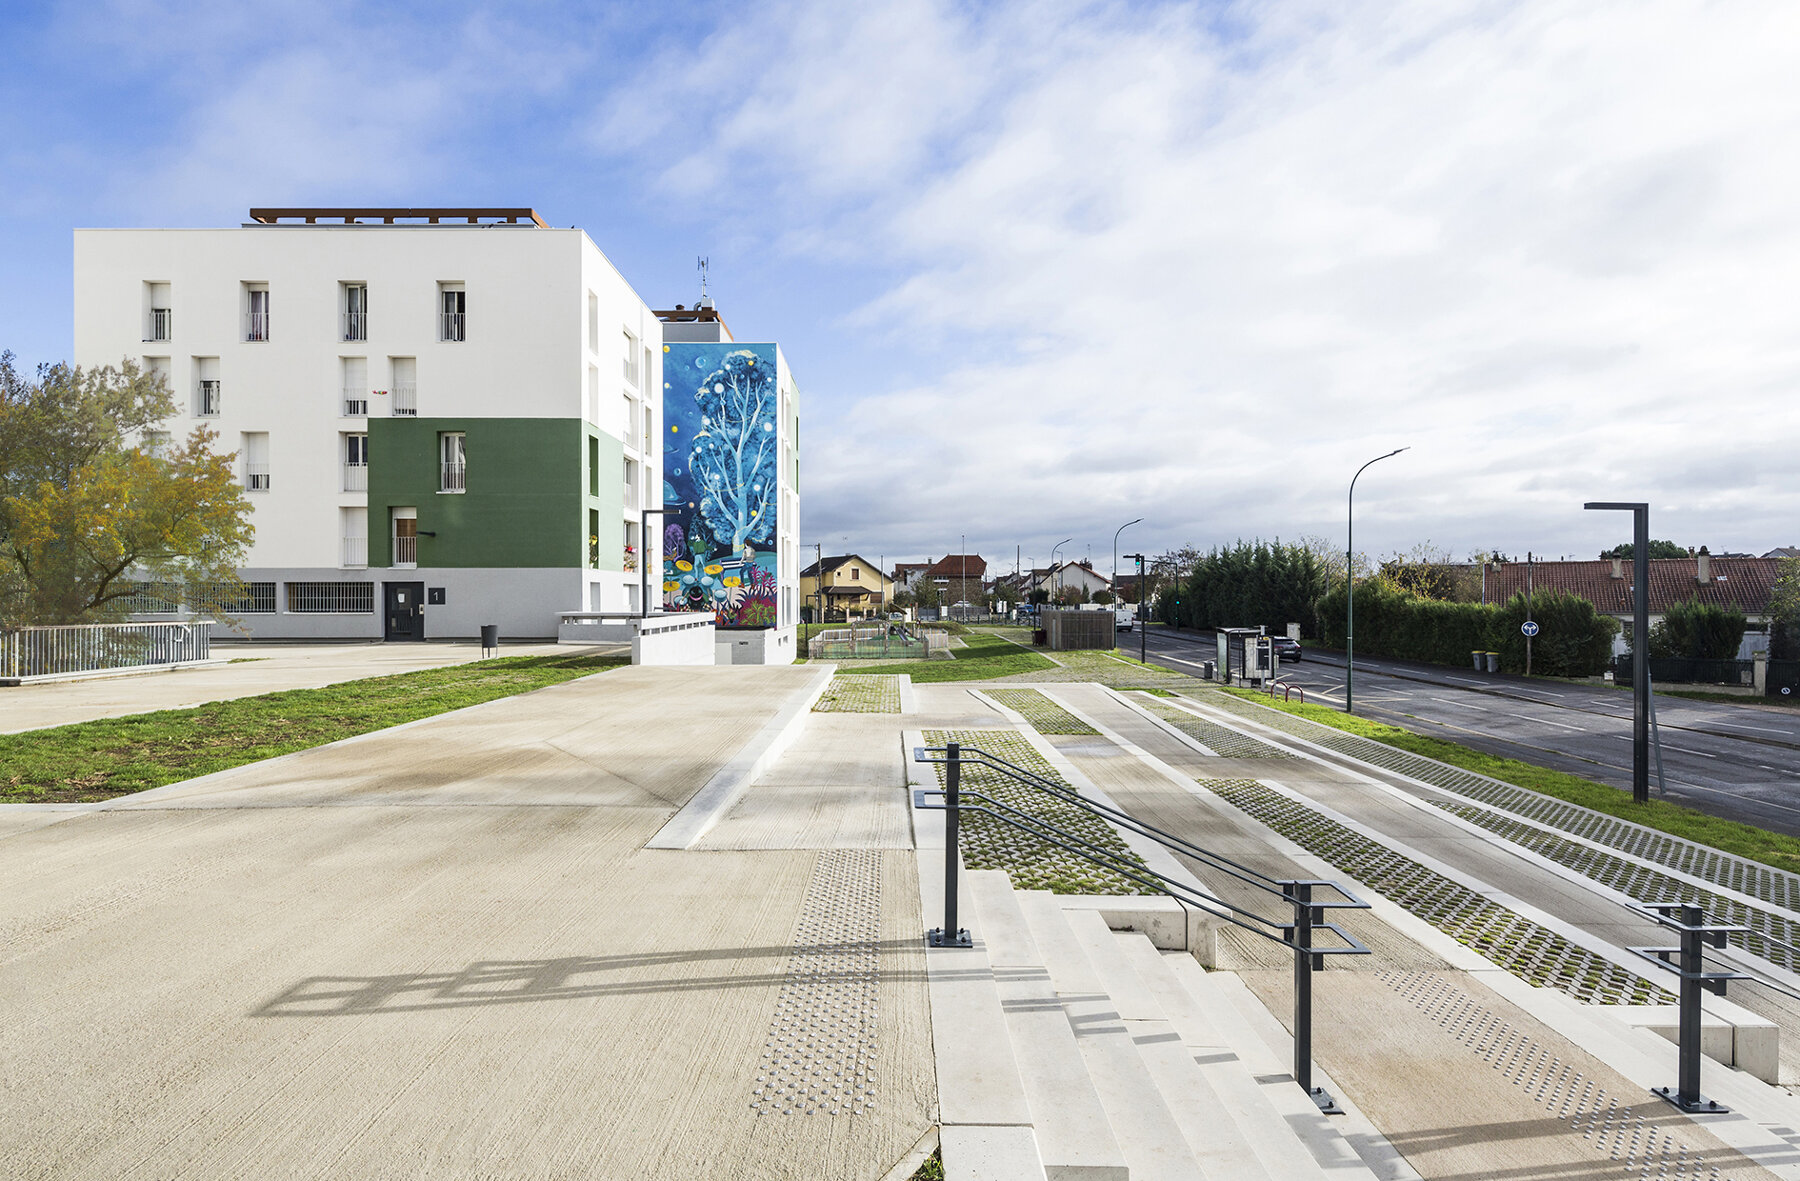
column 705, row 299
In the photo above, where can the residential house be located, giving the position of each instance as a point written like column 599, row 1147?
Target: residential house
column 844, row 586
column 906, row 575
column 1077, row 576
column 960, row 578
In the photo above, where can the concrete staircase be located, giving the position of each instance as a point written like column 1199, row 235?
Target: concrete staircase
column 1069, row 1051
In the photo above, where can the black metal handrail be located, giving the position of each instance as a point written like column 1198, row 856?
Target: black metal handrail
column 1309, row 915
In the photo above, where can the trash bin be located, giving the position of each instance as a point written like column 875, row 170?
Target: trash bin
column 1480, row 659
column 1493, row 662
column 1040, row 636
column 1209, row 670
column 490, row 638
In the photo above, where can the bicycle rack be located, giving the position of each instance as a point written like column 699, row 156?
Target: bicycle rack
column 1295, row 893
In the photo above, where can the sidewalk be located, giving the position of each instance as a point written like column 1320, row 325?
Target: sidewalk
column 264, row 668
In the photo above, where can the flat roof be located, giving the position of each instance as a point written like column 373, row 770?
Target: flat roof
column 389, row 216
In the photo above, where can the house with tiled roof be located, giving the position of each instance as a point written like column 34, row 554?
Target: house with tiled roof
column 839, row 586
column 1741, row 582
column 959, row 578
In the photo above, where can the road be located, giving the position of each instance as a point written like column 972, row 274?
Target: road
column 1737, row 762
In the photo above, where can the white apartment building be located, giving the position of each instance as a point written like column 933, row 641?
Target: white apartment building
column 444, row 417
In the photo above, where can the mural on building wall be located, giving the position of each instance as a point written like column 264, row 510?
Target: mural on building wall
column 720, row 444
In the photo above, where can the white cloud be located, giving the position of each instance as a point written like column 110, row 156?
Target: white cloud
column 1202, row 271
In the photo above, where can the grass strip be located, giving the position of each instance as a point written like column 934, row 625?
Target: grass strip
column 1727, row 836
column 112, row 757
column 983, row 657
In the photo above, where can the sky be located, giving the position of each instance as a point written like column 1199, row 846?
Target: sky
column 1043, row 268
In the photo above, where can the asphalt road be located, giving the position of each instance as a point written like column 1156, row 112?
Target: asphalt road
column 1738, row 762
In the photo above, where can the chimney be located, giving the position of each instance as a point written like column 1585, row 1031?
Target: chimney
column 1703, row 562
column 1618, row 567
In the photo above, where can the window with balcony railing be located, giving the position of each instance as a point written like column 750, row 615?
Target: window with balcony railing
column 452, row 306
column 356, row 401
column 256, row 477
column 451, row 477
column 406, row 550
column 355, row 553
column 356, row 477
column 451, row 470
column 356, row 326
column 256, row 321
column 207, row 405
column 405, row 401
column 162, row 324
column 356, row 312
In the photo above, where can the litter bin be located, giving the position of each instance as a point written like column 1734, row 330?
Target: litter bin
column 1040, row 636
column 1209, row 670
column 1480, row 659
column 1493, row 662
column 490, row 638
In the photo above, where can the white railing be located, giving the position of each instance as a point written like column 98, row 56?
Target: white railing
column 356, row 325
column 450, row 478
column 356, row 477
column 355, row 553
column 258, row 326
column 256, row 477
column 630, row 494
column 356, row 401
column 631, row 370
column 405, row 403
column 162, row 324
column 406, row 551
column 209, row 399
column 65, row 650
column 450, row 325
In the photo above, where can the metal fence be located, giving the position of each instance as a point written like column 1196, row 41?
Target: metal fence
column 29, row 652
column 879, row 641
column 1675, row 670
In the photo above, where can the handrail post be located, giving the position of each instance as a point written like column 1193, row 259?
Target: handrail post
column 1305, row 915
column 951, row 935
column 1687, row 1095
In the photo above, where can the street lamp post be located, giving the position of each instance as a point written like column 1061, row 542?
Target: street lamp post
column 1350, row 585
column 1143, row 637
column 1055, row 574
column 1640, row 642
column 1115, row 565
column 644, row 558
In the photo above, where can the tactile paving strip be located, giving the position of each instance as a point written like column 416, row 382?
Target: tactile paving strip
column 820, row 1056
column 1527, row 950
column 1221, row 740
column 1771, row 885
column 1566, row 1094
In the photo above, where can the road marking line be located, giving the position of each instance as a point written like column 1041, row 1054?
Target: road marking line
column 1463, row 704
column 1548, row 722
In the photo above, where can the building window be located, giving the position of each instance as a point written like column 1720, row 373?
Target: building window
column 452, row 312
column 404, row 399
column 593, row 393
column 356, row 311
column 156, row 444
column 630, row 490
column 593, row 466
column 256, row 316
column 855, row 574
column 256, row 461
column 157, row 370
column 593, row 538
column 331, row 598
column 354, row 386
column 406, row 537
column 159, row 319
column 630, row 435
column 354, row 545
column 631, row 358
column 356, row 463
column 593, row 322
column 452, row 462
column 206, row 389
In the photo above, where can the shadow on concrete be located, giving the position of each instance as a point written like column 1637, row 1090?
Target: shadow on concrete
column 511, row 982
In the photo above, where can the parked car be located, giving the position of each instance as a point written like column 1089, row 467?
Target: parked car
column 1286, row 650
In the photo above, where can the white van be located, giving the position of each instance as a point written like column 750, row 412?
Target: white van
column 1124, row 617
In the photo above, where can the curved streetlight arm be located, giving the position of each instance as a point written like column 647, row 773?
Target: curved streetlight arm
column 1115, row 565
column 1053, row 549
column 1350, row 583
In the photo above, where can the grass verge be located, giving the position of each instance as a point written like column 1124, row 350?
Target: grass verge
column 982, row 658
column 118, row 756
column 1727, row 836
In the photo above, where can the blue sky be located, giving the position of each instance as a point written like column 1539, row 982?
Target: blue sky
column 1045, row 267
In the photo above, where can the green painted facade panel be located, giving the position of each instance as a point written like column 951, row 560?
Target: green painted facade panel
column 526, row 494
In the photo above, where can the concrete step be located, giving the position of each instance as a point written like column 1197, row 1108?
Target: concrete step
column 989, row 1154
column 1240, row 1019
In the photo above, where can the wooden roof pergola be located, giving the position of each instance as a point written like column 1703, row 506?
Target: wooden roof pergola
column 387, row 216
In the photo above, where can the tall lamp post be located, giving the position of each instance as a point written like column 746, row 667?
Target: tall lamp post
column 1640, row 642
column 644, row 557
column 1115, row 565
column 1055, row 574
column 1143, row 638
column 1350, row 585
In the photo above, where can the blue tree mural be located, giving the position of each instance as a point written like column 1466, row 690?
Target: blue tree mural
column 733, row 455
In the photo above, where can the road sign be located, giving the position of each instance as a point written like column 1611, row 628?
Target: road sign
column 1529, row 627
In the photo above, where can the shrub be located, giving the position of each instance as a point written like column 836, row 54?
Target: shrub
column 1574, row 640
column 1698, row 631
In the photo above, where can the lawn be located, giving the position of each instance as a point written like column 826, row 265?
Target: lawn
column 1728, row 836
column 984, row 656
column 117, row 756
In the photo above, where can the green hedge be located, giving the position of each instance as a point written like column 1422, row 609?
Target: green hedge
column 1574, row 640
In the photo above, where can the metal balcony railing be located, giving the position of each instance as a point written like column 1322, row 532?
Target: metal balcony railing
column 30, row 652
column 405, row 402
column 257, row 326
column 356, row 401
column 406, row 551
column 356, row 325
column 354, row 554
column 256, row 477
column 451, row 326
column 451, row 476
column 631, row 370
column 1293, row 895
column 208, row 405
column 162, row 324
column 356, row 477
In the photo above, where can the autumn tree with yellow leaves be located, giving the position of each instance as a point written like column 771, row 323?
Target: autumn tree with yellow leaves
column 89, row 512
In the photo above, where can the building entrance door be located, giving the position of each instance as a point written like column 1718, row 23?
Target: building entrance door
column 405, row 611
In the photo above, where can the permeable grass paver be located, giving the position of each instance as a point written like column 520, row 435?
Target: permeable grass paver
column 1045, row 716
column 1556, row 798
column 1529, row 951
column 1221, row 740
column 118, row 756
column 860, row 695
column 984, row 657
column 1032, row 863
